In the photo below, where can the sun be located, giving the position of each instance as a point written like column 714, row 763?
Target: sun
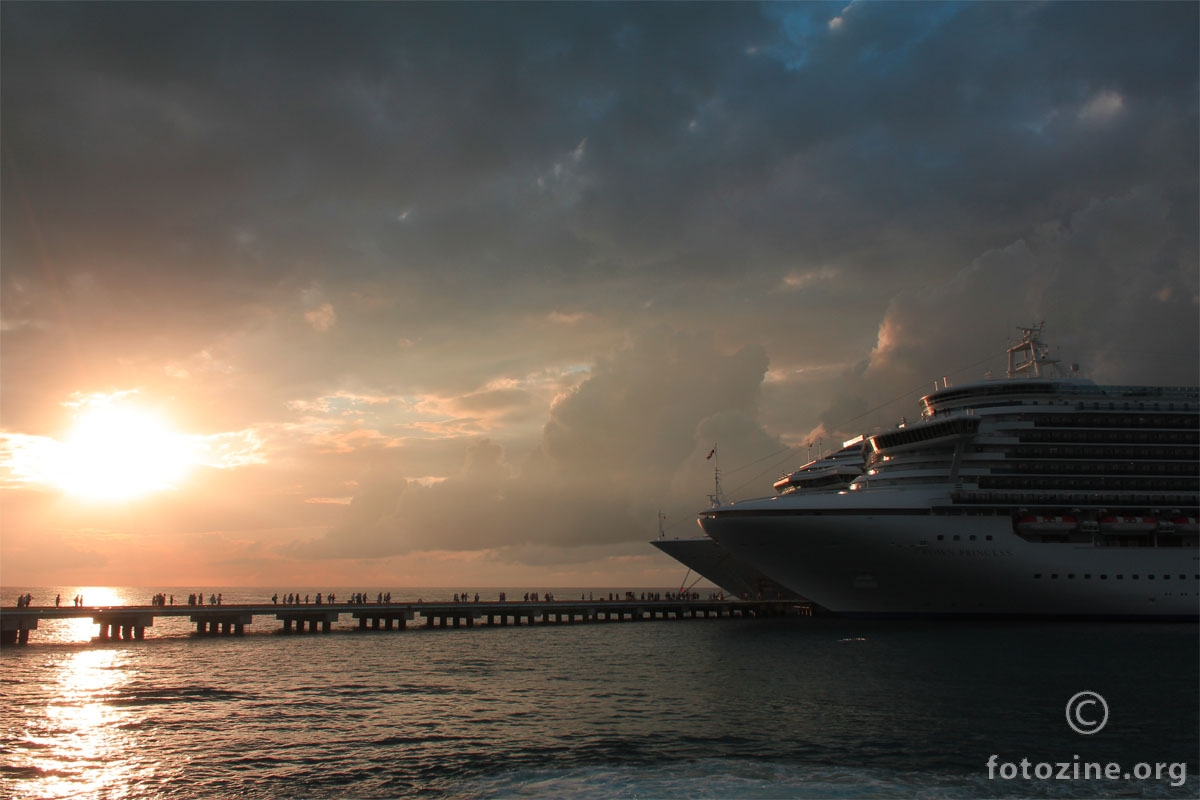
column 118, row 452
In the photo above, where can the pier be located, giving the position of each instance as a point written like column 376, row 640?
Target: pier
column 130, row 622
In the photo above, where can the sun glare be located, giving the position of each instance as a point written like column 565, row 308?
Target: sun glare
column 120, row 452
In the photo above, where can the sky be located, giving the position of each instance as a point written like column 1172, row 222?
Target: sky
column 405, row 294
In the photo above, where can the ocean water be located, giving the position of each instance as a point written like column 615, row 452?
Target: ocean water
column 729, row 708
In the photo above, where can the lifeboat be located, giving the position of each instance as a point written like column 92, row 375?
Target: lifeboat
column 1126, row 525
column 1185, row 525
column 1036, row 524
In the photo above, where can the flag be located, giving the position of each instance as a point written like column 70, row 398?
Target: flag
column 711, row 453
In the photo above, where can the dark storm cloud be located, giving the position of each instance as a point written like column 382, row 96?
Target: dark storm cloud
column 461, row 208
column 1110, row 280
column 583, row 141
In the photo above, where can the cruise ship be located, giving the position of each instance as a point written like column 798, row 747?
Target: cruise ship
column 1038, row 495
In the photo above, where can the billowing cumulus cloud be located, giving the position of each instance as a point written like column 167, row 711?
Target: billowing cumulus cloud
column 1109, row 279
column 503, row 274
column 627, row 441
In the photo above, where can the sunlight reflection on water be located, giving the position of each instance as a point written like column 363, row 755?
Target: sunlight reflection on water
column 740, row 708
column 81, row 741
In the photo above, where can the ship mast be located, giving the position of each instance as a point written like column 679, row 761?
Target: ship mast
column 715, row 498
column 1033, row 355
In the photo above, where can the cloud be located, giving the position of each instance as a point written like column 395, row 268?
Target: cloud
column 321, row 318
column 626, row 441
column 1103, row 107
column 1095, row 278
column 365, row 246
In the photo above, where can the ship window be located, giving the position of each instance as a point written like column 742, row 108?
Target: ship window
column 988, row 537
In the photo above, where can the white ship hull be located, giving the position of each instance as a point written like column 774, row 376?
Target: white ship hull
column 874, row 561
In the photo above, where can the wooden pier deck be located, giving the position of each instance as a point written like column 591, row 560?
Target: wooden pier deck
column 130, row 622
